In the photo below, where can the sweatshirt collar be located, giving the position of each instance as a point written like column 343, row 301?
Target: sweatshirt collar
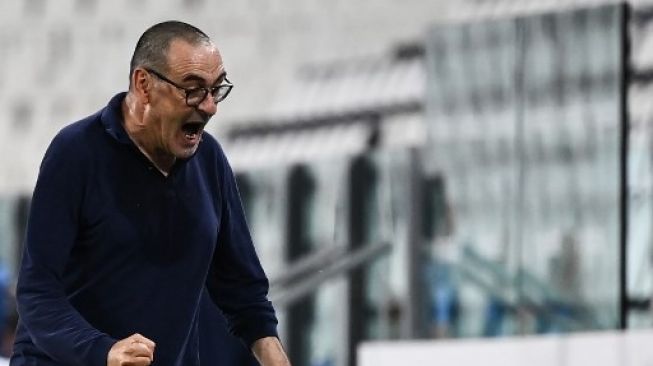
column 113, row 121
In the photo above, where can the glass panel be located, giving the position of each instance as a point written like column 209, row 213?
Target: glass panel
column 640, row 182
column 315, row 322
column 523, row 174
column 260, row 192
column 640, row 199
column 329, row 322
column 577, row 119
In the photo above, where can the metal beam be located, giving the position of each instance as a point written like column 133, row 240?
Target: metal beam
column 287, row 295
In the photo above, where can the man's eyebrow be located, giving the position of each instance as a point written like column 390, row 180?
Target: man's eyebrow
column 221, row 77
column 199, row 79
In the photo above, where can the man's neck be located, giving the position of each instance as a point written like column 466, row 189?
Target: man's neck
column 137, row 132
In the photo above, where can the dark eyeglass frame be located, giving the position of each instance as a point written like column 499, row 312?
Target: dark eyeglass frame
column 216, row 95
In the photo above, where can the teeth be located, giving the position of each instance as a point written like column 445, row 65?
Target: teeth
column 193, row 134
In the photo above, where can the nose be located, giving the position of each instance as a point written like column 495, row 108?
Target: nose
column 207, row 106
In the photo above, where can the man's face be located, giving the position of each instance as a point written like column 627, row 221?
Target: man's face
column 174, row 127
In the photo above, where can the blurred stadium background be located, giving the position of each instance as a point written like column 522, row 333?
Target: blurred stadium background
column 415, row 170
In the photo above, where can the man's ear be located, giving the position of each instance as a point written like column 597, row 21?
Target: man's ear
column 141, row 83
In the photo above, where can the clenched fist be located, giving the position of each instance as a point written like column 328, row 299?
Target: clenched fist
column 134, row 350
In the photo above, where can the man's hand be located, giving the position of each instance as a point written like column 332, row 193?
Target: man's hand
column 269, row 352
column 134, row 350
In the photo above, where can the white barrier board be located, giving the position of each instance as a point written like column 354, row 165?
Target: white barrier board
column 634, row 348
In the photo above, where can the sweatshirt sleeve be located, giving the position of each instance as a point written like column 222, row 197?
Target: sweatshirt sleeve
column 53, row 324
column 236, row 281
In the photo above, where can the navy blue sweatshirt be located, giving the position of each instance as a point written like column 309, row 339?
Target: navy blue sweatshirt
column 114, row 247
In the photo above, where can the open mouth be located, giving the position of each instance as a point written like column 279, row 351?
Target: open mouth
column 192, row 130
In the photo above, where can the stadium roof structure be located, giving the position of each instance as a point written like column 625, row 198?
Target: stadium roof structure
column 338, row 109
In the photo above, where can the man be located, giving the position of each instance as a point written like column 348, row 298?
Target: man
column 212, row 328
column 134, row 213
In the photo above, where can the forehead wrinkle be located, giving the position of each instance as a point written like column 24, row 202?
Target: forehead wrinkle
column 194, row 62
column 200, row 79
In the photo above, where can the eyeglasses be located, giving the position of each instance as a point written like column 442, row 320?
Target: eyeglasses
column 195, row 96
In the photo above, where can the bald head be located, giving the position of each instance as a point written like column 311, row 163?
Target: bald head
column 152, row 48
